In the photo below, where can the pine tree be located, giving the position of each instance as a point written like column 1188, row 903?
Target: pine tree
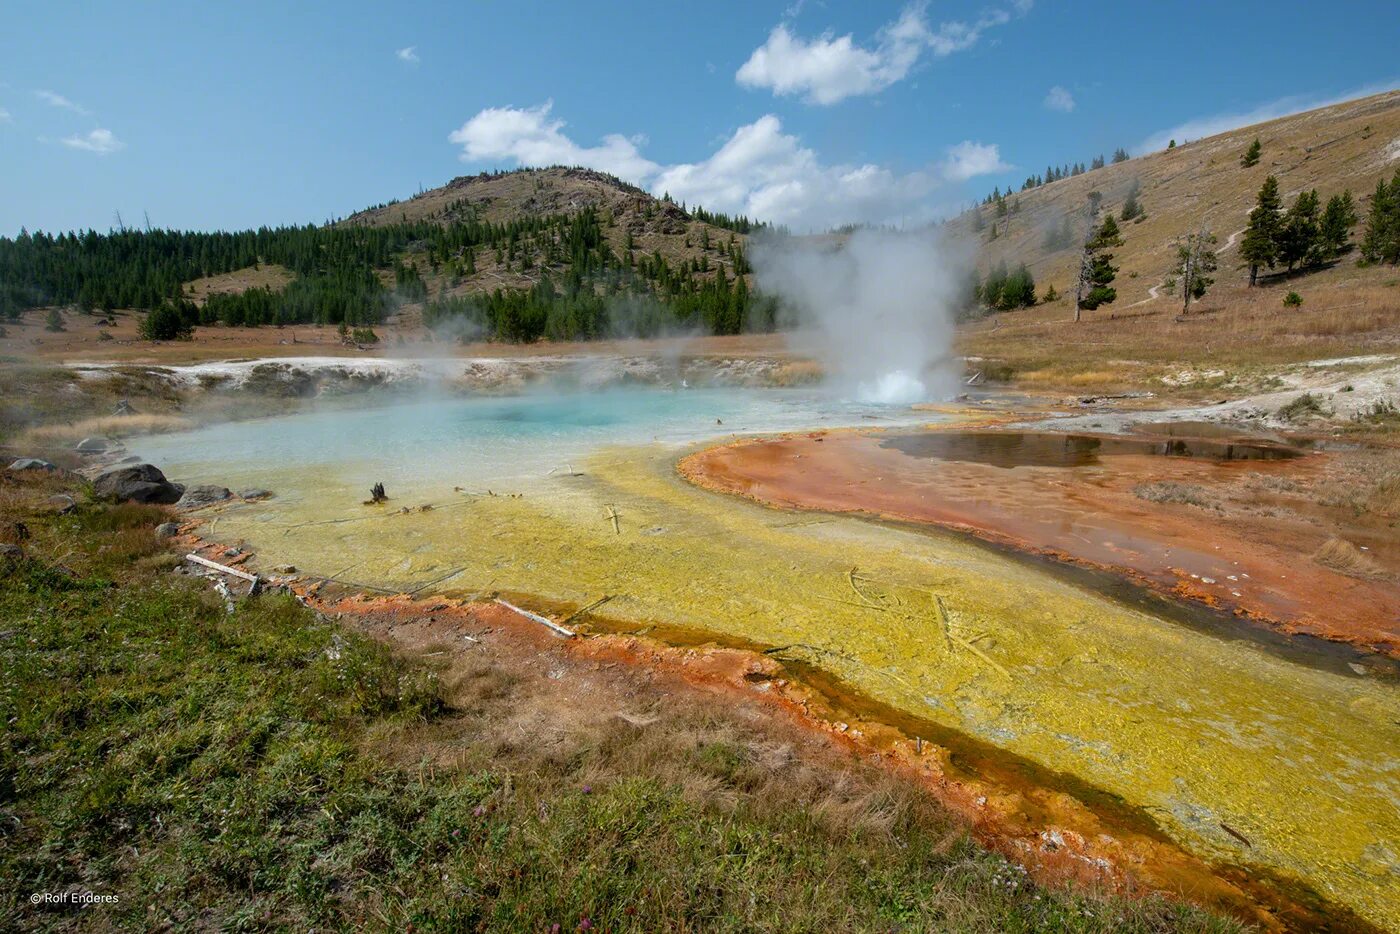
column 1260, row 245
column 1337, row 220
column 1195, row 261
column 1381, row 243
column 1017, row 289
column 1120, row 155
column 1132, row 209
column 1096, row 269
column 1251, row 155
column 1298, row 242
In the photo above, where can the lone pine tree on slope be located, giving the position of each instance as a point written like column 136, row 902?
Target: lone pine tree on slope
column 1096, row 269
column 1260, row 245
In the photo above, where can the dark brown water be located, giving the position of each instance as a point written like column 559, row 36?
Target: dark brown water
column 1051, row 449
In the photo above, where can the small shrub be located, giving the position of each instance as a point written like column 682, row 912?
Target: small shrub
column 1292, row 300
column 1380, row 412
column 1304, row 406
column 365, row 336
column 1342, row 556
column 1169, row 491
column 164, row 324
column 54, row 321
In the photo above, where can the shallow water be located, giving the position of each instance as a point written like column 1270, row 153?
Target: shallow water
column 479, row 441
column 1052, row 449
column 1200, row 729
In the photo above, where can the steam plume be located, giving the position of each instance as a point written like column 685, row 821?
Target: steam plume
column 879, row 307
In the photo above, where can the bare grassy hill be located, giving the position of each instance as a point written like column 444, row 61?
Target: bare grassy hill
column 1344, row 146
column 1236, row 334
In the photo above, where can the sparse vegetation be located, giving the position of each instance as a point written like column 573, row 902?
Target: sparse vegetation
column 1169, row 491
column 1304, row 406
column 1342, row 556
column 1292, row 300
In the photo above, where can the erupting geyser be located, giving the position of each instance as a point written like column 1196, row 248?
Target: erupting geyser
column 879, row 306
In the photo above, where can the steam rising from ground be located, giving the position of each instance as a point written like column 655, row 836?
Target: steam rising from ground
column 879, row 307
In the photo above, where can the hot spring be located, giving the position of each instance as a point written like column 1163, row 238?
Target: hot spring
column 1199, row 729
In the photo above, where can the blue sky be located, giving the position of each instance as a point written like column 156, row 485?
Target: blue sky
column 809, row 113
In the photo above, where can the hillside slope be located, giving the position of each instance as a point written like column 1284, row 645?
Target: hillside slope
column 1344, row 146
column 655, row 226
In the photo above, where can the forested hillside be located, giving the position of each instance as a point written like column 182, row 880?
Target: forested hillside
column 590, row 258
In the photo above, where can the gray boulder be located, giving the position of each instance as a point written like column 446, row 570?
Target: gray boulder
column 94, row 445
column 11, row 551
column 254, row 494
column 32, row 463
column 137, row 483
column 167, row 530
column 62, row 503
column 205, row 495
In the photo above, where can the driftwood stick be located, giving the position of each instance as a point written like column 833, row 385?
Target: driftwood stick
column 221, row 568
column 584, row 609
column 954, row 637
column 943, row 624
column 612, row 514
column 851, row 577
column 542, row 620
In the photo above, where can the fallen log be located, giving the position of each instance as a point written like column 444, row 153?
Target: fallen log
column 542, row 620
column 221, row 568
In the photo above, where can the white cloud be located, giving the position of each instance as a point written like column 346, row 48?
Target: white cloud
column 1201, row 127
column 759, row 171
column 5, row 116
column 831, row 68
column 408, row 54
column 1059, row 99
column 58, row 100
column 530, row 136
column 99, row 141
column 968, row 160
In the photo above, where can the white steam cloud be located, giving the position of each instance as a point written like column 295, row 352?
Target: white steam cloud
column 878, row 306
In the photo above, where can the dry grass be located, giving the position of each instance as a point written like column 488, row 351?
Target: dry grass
column 265, row 276
column 1240, row 331
column 1342, row 556
column 1385, row 496
column 798, row 373
column 111, row 426
column 1169, row 491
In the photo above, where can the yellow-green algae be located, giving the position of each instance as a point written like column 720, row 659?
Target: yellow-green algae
column 1199, row 730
